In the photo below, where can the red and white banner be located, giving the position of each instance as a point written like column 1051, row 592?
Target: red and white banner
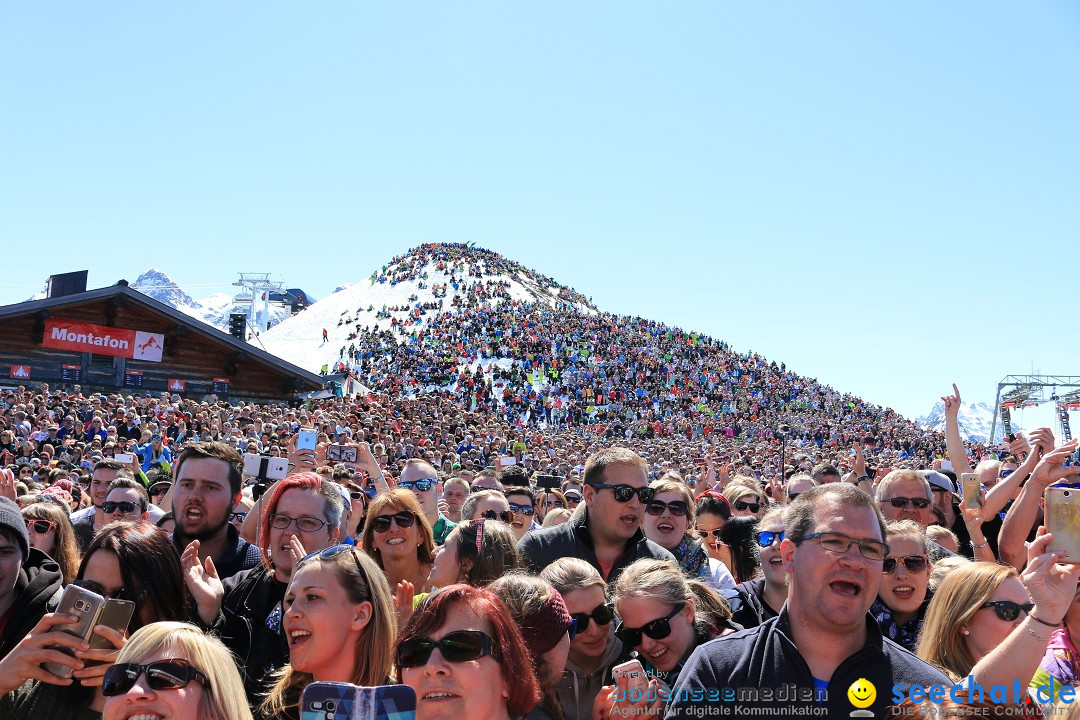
column 176, row 385
column 100, row 340
column 19, row 372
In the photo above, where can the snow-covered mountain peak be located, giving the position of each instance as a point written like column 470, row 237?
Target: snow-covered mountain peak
column 155, row 283
column 975, row 420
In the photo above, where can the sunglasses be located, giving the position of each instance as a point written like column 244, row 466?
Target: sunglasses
column 716, row 532
column 766, row 538
column 752, row 507
column 792, row 496
column 40, row 526
column 523, row 509
column 601, row 615
column 421, row 485
column 902, row 502
column 678, row 508
column 623, row 493
column 456, row 647
column 238, row 516
column 118, row 594
column 913, row 563
column 657, row 629
column 554, row 503
column 404, row 519
column 332, row 552
column 159, row 491
column 303, row 524
column 125, row 507
column 573, row 498
column 1008, row 610
column 505, row 515
column 160, row 675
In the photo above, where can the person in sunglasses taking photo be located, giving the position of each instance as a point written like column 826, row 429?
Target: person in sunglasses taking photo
column 607, row 533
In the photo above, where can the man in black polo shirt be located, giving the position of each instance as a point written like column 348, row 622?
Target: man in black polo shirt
column 824, row 641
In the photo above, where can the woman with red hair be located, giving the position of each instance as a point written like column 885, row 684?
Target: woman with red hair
column 466, row 659
column 301, row 514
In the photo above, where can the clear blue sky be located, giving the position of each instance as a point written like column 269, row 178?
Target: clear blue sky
column 883, row 195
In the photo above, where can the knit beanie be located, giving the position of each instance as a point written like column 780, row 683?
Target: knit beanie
column 546, row 627
column 11, row 519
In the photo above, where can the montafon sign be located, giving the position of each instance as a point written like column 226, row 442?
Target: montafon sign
column 100, row 340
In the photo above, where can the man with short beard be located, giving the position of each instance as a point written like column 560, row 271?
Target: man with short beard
column 206, row 487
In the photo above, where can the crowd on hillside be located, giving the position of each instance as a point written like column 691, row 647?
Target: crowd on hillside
column 502, row 569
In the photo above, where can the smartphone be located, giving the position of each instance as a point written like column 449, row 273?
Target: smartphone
column 306, row 439
column 276, row 468
column 344, row 701
column 85, row 605
column 631, row 679
column 116, row 615
column 547, row 482
column 340, row 453
column 508, row 460
column 971, row 487
column 1062, row 518
column 124, row 458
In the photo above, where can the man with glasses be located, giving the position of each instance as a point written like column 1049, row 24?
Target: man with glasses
column 824, row 639
column 420, row 477
column 87, row 522
column 906, row 495
column 127, row 500
column 608, row 533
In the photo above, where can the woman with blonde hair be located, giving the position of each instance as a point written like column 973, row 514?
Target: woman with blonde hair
column 989, row 622
column 340, row 624
column 399, row 537
column 174, row 671
column 51, row 532
column 746, row 498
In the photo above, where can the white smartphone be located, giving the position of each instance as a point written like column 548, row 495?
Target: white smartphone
column 276, row 468
column 125, row 458
column 305, row 440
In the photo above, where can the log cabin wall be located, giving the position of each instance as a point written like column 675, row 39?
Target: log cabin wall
column 189, row 354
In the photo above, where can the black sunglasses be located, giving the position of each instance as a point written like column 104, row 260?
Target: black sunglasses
column 160, row 675
column 752, row 507
column 124, row 507
column 623, row 493
column 523, row 509
column 1008, row 610
column 913, row 563
column 330, row 553
column 505, row 515
column 601, row 615
column 118, row 594
column 677, row 508
column 238, row 516
column 657, row 629
column 902, row 502
column 456, row 647
column 421, row 485
column 715, row 532
column 404, row 519
column 159, row 491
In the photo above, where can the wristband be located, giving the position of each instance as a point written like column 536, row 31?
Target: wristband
column 980, row 545
column 1053, row 625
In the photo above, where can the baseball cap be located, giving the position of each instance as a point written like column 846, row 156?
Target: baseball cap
column 938, row 480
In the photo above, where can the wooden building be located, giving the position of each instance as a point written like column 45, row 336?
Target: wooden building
column 116, row 339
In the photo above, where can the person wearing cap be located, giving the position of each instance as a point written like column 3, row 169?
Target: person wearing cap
column 30, row 581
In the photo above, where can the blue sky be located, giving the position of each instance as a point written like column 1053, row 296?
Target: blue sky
column 883, row 195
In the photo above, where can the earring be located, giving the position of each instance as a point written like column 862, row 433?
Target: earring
column 967, row 632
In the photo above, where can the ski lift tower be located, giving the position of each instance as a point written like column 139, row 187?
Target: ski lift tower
column 1029, row 391
column 259, row 285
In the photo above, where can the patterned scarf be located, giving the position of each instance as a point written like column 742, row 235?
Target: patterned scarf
column 905, row 635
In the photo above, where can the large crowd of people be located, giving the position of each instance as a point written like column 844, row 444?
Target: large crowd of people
column 540, row 511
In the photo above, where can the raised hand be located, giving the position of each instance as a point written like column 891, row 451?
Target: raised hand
column 103, row 658
column 202, row 582
column 1050, row 584
column 952, row 403
column 25, row 661
column 1052, row 466
column 403, row 602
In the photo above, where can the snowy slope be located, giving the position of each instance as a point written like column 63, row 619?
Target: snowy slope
column 975, row 420
column 214, row 310
column 299, row 338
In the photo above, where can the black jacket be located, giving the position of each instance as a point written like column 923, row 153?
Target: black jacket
column 37, row 592
column 764, row 666
column 250, row 626
column 748, row 606
column 239, row 555
column 540, row 548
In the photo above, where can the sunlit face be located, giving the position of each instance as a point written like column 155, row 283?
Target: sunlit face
column 396, row 543
column 521, row 522
column 664, row 653
column 46, row 541
column 297, row 503
column 322, row 625
column 454, row 494
column 907, row 488
column 986, row 630
column 125, row 495
column 495, row 504
column 470, row 690
column 772, row 565
column 202, row 498
column 666, row 529
column 142, row 701
column 748, row 506
column 707, row 523
column 445, row 566
column 904, row 591
column 612, row 520
column 590, row 643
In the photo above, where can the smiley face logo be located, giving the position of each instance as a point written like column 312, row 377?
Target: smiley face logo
column 862, row 693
